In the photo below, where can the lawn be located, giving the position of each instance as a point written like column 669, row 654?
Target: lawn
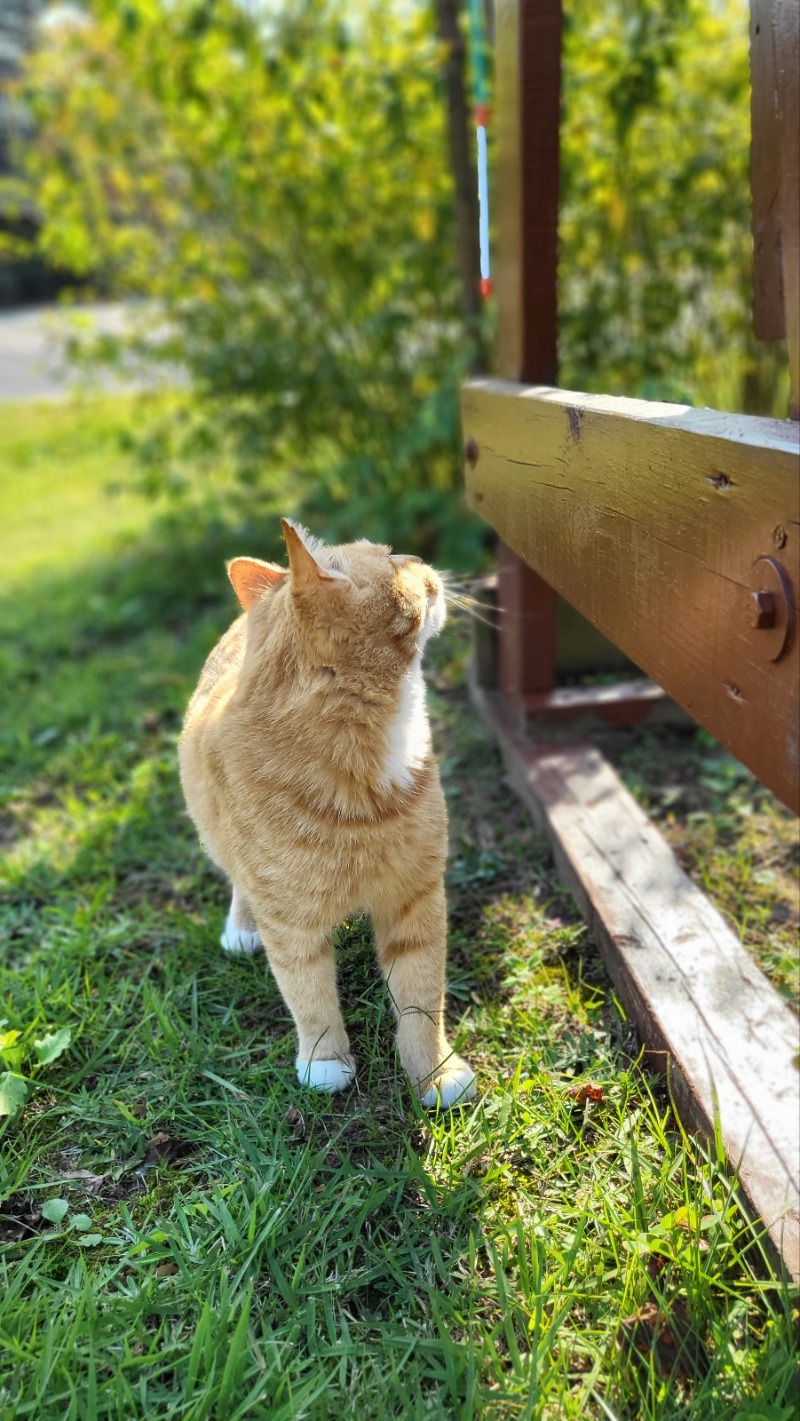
column 185, row 1234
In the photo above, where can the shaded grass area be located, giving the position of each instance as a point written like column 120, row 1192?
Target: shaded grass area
column 182, row 1232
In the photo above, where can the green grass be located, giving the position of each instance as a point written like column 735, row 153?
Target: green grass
column 185, row 1234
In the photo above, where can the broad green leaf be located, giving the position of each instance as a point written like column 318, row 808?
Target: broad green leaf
column 81, row 1222
column 54, row 1210
column 54, row 1044
column 10, row 1052
column 13, row 1093
column 90, row 1240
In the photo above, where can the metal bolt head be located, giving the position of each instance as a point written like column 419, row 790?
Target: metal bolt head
column 779, row 536
column 762, row 610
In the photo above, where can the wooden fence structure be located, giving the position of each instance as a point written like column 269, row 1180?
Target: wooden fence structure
column 676, row 532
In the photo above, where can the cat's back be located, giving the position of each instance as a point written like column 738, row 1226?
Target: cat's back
column 221, row 670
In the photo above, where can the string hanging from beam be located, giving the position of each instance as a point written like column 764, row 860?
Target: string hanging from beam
column 477, row 43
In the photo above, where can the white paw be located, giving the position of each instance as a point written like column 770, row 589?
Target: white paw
column 237, row 942
column 453, row 1087
column 325, row 1075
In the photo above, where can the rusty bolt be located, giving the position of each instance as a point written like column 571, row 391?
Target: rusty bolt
column 471, row 452
column 762, row 610
column 779, row 537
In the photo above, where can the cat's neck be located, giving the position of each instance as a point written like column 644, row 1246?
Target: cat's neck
column 408, row 733
column 364, row 730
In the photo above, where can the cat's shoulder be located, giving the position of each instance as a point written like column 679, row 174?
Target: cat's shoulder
column 226, row 656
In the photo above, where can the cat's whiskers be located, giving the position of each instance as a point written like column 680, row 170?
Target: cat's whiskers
column 461, row 601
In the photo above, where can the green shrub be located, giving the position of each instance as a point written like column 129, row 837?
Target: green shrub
column 274, row 182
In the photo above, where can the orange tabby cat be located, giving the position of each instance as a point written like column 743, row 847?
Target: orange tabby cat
column 307, row 767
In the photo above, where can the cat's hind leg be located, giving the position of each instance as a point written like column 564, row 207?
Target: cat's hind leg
column 411, row 939
column 304, row 967
column 240, row 937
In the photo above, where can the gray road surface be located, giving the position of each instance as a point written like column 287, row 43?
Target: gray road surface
column 30, row 362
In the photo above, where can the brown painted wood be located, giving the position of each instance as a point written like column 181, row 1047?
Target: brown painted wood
column 528, row 69
column 769, row 318
column 528, row 85
column 527, row 646
column 589, row 707
column 787, row 79
column 650, row 519
column 706, row 1014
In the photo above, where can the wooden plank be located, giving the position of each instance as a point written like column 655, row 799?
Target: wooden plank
column 528, row 85
column 787, row 79
column 621, row 703
column 527, row 643
column 705, row 1012
column 769, row 319
column 654, row 520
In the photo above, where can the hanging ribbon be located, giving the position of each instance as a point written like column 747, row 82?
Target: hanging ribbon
column 477, row 41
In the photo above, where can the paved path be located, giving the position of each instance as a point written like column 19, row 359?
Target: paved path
column 30, row 349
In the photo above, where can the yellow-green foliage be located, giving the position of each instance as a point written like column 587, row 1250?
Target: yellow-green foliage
column 281, row 186
column 655, row 224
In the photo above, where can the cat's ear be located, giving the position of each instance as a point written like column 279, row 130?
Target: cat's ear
column 251, row 577
column 307, row 573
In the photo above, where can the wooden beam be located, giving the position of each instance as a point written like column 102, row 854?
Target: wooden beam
column 706, row 1014
column 527, row 645
column 528, row 66
column 528, row 86
column 769, row 317
column 660, row 523
column 787, row 79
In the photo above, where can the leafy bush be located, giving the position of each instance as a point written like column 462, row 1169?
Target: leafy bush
column 278, row 186
column 655, row 223
column 274, row 181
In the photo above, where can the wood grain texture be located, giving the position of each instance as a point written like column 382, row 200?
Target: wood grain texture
column 528, row 86
column 787, row 80
column 706, row 1014
column 527, row 644
column 769, row 318
column 651, row 519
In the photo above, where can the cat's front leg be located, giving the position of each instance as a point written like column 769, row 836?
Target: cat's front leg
column 240, row 936
column 304, row 967
column 411, row 940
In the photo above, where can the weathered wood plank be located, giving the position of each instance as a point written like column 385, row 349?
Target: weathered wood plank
column 653, row 521
column 528, row 67
column 705, row 1012
column 527, row 644
column 769, row 317
column 787, row 81
column 528, row 85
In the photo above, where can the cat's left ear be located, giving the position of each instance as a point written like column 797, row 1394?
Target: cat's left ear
column 251, row 577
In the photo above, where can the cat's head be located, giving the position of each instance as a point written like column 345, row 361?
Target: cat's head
column 357, row 602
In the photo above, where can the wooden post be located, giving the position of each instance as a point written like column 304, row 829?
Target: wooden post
column 787, row 80
column 775, row 177
column 528, row 69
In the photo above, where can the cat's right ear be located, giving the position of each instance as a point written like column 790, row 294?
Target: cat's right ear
column 307, row 573
column 251, row 577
